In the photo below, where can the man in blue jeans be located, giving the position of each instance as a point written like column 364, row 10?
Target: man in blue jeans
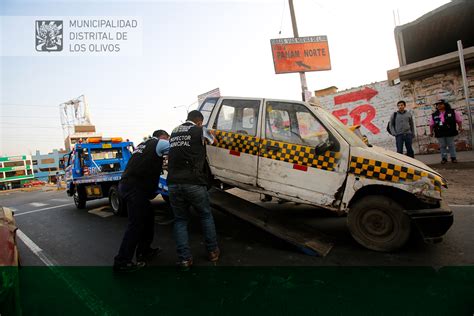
column 402, row 127
column 187, row 186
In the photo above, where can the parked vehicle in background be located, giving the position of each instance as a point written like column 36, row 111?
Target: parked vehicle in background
column 33, row 183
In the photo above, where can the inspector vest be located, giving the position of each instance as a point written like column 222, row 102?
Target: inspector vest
column 144, row 167
column 446, row 128
column 187, row 156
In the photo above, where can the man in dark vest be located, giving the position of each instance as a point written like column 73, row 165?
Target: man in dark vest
column 443, row 123
column 137, row 187
column 187, row 185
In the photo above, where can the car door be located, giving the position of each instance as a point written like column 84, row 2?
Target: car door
column 235, row 156
column 300, row 157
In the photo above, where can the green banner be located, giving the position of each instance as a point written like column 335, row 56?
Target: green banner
column 5, row 169
column 12, row 158
column 29, row 176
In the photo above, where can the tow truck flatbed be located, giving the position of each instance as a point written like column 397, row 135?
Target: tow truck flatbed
column 305, row 239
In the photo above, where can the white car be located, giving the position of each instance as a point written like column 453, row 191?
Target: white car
column 299, row 152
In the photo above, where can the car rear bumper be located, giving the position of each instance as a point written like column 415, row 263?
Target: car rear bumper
column 432, row 223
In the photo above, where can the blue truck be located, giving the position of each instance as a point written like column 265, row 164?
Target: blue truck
column 94, row 168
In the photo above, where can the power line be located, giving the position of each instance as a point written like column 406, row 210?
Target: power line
column 34, row 105
column 31, row 126
column 282, row 15
column 105, row 106
column 23, row 116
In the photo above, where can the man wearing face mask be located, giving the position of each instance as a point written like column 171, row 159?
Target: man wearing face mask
column 187, row 185
column 137, row 187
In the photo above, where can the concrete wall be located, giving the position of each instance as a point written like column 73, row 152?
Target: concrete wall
column 371, row 106
column 422, row 93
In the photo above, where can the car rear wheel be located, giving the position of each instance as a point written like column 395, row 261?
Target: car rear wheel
column 116, row 203
column 379, row 223
column 79, row 198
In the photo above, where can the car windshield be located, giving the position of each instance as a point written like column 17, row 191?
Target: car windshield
column 345, row 132
column 206, row 109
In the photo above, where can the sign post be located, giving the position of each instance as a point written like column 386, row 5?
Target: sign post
column 466, row 91
column 300, row 54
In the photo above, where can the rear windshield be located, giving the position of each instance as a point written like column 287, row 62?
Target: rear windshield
column 106, row 153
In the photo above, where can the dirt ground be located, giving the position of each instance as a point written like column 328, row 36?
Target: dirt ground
column 460, row 178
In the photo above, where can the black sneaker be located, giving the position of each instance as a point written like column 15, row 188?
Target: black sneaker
column 454, row 160
column 150, row 254
column 129, row 267
column 444, row 160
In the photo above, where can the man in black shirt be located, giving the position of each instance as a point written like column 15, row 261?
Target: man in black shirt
column 137, row 187
column 187, row 185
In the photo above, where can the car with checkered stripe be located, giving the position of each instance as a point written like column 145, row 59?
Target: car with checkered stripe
column 297, row 151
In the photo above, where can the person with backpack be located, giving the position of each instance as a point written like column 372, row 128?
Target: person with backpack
column 443, row 124
column 402, row 127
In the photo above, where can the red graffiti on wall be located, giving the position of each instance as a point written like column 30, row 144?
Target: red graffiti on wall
column 361, row 114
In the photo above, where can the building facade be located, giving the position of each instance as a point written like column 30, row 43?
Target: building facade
column 46, row 166
column 14, row 170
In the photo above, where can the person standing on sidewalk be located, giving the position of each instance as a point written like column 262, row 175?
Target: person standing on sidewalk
column 187, row 186
column 137, row 187
column 443, row 124
column 402, row 127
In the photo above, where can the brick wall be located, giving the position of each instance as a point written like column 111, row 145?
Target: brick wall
column 372, row 105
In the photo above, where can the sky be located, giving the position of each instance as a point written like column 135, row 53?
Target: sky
column 187, row 48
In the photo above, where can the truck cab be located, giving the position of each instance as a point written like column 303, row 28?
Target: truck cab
column 93, row 169
column 300, row 152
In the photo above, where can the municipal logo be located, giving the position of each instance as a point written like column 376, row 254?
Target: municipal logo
column 49, row 36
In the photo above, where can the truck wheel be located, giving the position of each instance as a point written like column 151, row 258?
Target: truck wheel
column 378, row 223
column 79, row 197
column 116, row 202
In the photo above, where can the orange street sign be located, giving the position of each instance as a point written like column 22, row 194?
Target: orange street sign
column 300, row 54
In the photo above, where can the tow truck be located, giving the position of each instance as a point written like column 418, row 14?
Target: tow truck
column 93, row 169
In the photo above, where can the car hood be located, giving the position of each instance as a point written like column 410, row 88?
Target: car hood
column 404, row 159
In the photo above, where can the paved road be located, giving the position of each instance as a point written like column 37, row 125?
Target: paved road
column 72, row 237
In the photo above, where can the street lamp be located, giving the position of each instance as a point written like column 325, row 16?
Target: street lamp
column 187, row 106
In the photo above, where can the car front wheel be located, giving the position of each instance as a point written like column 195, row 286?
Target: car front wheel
column 379, row 223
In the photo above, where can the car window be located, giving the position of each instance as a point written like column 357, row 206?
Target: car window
column 293, row 123
column 238, row 116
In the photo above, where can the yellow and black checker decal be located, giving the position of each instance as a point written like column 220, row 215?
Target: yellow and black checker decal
column 292, row 153
column 238, row 142
column 299, row 154
column 384, row 171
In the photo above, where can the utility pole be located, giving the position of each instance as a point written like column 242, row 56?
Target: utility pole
column 304, row 85
column 466, row 90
